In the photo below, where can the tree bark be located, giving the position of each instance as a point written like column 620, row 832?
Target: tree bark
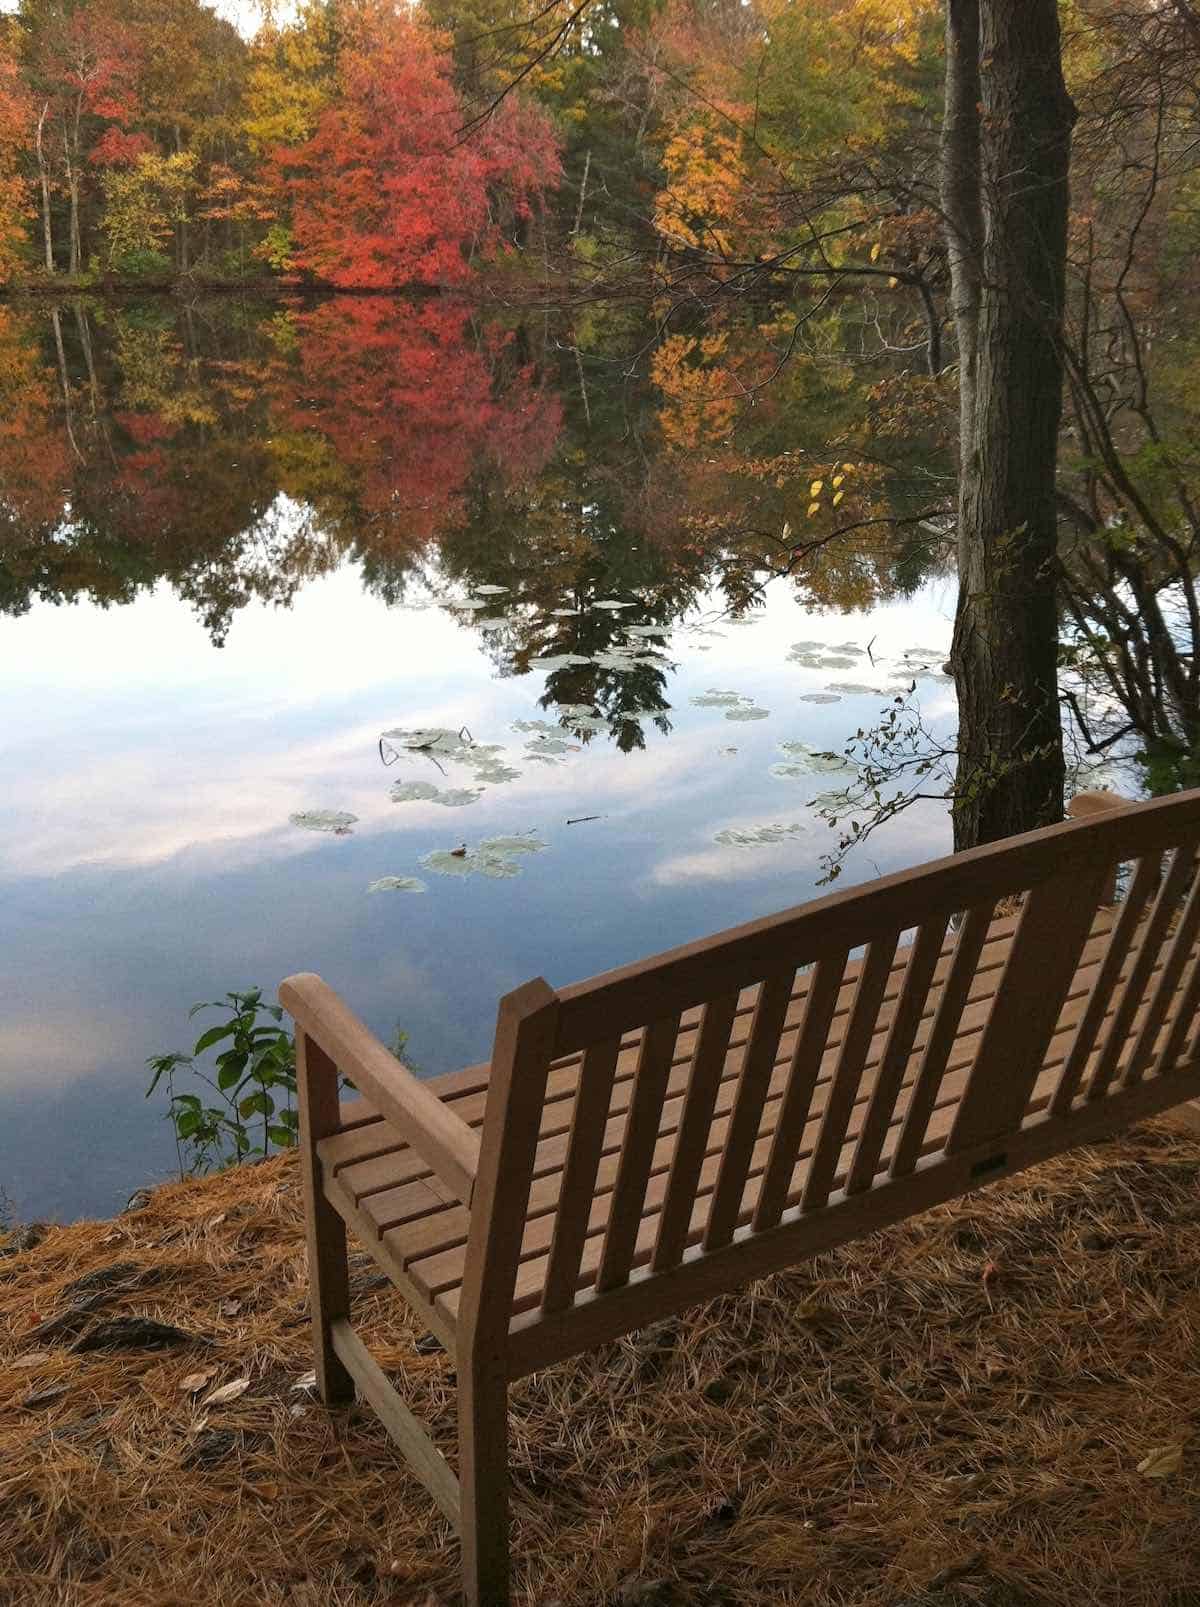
column 1009, row 288
column 44, row 177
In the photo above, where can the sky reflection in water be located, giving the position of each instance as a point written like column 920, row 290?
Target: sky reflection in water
column 148, row 859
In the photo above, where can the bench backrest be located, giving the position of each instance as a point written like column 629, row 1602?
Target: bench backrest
column 855, row 1070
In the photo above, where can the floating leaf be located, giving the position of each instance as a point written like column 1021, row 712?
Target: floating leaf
column 833, row 662
column 856, row 687
column 413, row 791
column 396, row 884
column 566, row 613
column 756, row 836
column 545, row 726
column 558, row 661
column 646, row 630
column 490, row 591
column 747, row 712
column 493, row 857
column 527, row 844
column 338, row 821
column 541, row 744
column 472, row 603
column 818, row 697
column 571, row 710
column 713, row 699
column 611, row 604
column 803, row 760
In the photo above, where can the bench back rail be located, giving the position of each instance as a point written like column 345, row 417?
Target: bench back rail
column 769, row 1075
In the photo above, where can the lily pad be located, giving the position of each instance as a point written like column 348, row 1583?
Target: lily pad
column 714, row 699
column 558, row 661
column 855, row 687
column 397, row 884
column 747, row 712
column 818, row 697
column 572, row 710
column 490, row 591
column 555, row 744
column 756, row 836
column 545, row 726
column 414, row 792
column 338, row 821
column 646, row 630
column 803, row 760
column 495, row 857
column 611, row 604
column 836, row 663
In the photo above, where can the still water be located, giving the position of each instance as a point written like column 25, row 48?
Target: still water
column 251, row 557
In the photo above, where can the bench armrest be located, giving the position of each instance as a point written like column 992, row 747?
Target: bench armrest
column 441, row 1138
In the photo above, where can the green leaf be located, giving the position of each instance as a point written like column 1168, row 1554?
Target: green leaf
column 187, row 1122
column 257, row 1104
column 283, row 1136
column 231, row 1071
column 289, row 1118
column 213, row 1035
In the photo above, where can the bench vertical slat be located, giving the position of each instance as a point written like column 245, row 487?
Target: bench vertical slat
column 704, row 1080
column 1046, row 946
column 839, row 1103
column 1145, row 880
column 579, row 1172
column 1182, row 1023
column 1131, row 997
column 955, row 991
column 637, row 1151
column 757, row 1066
column 823, row 994
column 1156, row 1013
column 918, row 975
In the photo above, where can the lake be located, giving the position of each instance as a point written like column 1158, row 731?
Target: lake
column 255, row 555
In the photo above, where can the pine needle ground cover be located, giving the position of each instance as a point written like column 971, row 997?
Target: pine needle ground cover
column 996, row 1403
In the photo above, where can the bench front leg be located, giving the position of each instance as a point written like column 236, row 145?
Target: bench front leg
column 328, row 1266
column 483, row 1482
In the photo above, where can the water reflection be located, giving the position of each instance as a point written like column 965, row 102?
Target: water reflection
column 571, row 583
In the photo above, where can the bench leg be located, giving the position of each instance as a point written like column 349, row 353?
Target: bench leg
column 328, row 1268
column 483, row 1480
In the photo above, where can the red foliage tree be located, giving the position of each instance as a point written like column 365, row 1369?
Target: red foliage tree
column 386, row 192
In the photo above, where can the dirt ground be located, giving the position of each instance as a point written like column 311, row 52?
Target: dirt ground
column 996, row 1404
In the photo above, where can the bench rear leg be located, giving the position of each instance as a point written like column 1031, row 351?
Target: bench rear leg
column 483, row 1480
column 328, row 1267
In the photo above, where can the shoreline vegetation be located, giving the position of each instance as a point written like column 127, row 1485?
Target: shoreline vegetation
column 990, row 1405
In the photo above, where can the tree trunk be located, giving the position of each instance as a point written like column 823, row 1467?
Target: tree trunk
column 70, row 157
column 44, row 177
column 1009, row 291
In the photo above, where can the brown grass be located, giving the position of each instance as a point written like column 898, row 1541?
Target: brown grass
column 951, row 1412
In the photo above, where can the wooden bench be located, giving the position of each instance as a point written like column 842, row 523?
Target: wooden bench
column 668, row 1131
